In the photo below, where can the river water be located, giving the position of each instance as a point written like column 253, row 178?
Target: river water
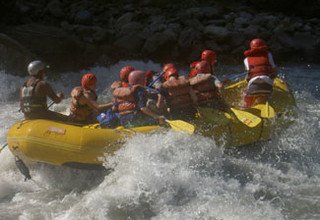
column 174, row 175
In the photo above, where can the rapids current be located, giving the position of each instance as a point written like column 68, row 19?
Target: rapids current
column 173, row 175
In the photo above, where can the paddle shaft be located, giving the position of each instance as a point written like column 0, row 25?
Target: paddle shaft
column 51, row 104
column 156, row 79
column 3, row 146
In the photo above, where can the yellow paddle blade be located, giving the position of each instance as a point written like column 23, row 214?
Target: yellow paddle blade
column 246, row 118
column 266, row 110
column 179, row 125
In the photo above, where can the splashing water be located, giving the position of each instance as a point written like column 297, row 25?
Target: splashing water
column 173, row 175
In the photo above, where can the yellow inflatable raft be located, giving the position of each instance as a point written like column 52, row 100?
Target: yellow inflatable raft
column 84, row 146
column 65, row 144
column 234, row 130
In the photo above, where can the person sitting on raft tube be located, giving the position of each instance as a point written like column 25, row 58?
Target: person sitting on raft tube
column 84, row 107
column 207, row 87
column 261, row 71
column 34, row 93
column 208, row 56
column 155, row 98
column 123, row 75
column 130, row 103
column 180, row 96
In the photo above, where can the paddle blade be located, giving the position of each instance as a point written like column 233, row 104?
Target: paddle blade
column 246, row 118
column 179, row 125
column 266, row 110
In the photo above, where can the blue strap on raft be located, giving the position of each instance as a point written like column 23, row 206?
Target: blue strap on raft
column 108, row 119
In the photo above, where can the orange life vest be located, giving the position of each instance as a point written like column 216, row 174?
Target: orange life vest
column 80, row 111
column 118, row 84
column 179, row 92
column 204, row 88
column 125, row 102
column 258, row 62
column 195, row 71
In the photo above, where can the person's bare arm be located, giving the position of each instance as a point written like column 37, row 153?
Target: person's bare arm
column 94, row 105
column 45, row 88
column 147, row 111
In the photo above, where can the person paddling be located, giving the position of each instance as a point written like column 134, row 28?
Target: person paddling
column 207, row 87
column 180, row 96
column 123, row 75
column 261, row 71
column 84, row 107
column 208, row 56
column 34, row 93
column 130, row 103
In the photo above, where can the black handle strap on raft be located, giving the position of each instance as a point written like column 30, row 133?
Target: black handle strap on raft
column 23, row 168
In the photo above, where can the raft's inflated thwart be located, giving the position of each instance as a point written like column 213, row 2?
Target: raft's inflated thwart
column 84, row 146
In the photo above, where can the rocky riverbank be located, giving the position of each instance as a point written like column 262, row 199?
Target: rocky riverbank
column 71, row 35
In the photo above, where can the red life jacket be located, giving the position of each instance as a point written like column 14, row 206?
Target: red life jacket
column 178, row 91
column 81, row 111
column 258, row 62
column 118, row 84
column 195, row 71
column 204, row 88
column 124, row 99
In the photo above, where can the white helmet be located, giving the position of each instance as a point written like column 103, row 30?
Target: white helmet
column 35, row 66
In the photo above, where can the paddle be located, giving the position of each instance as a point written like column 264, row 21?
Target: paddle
column 3, row 146
column 244, row 117
column 266, row 110
column 156, row 79
column 51, row 104
column 179, row 125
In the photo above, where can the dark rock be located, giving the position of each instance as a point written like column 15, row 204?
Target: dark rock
column 132, row 27
column 83, row 17
column 187, row 38
column 130, row 43
column 124, row 19
column 51, row 44
column 55, row 8
column 15, row 57
column 159, row 43
column 220, row 34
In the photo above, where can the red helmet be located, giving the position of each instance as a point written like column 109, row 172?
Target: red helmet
column 88, row 80
column 124, row 73
column 168, row 66
column 171, row 72
column 209, row 55
column 257, row 42
column 136, row 77
column 149, row 76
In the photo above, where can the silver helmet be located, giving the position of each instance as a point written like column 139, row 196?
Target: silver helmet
column 35, row 66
